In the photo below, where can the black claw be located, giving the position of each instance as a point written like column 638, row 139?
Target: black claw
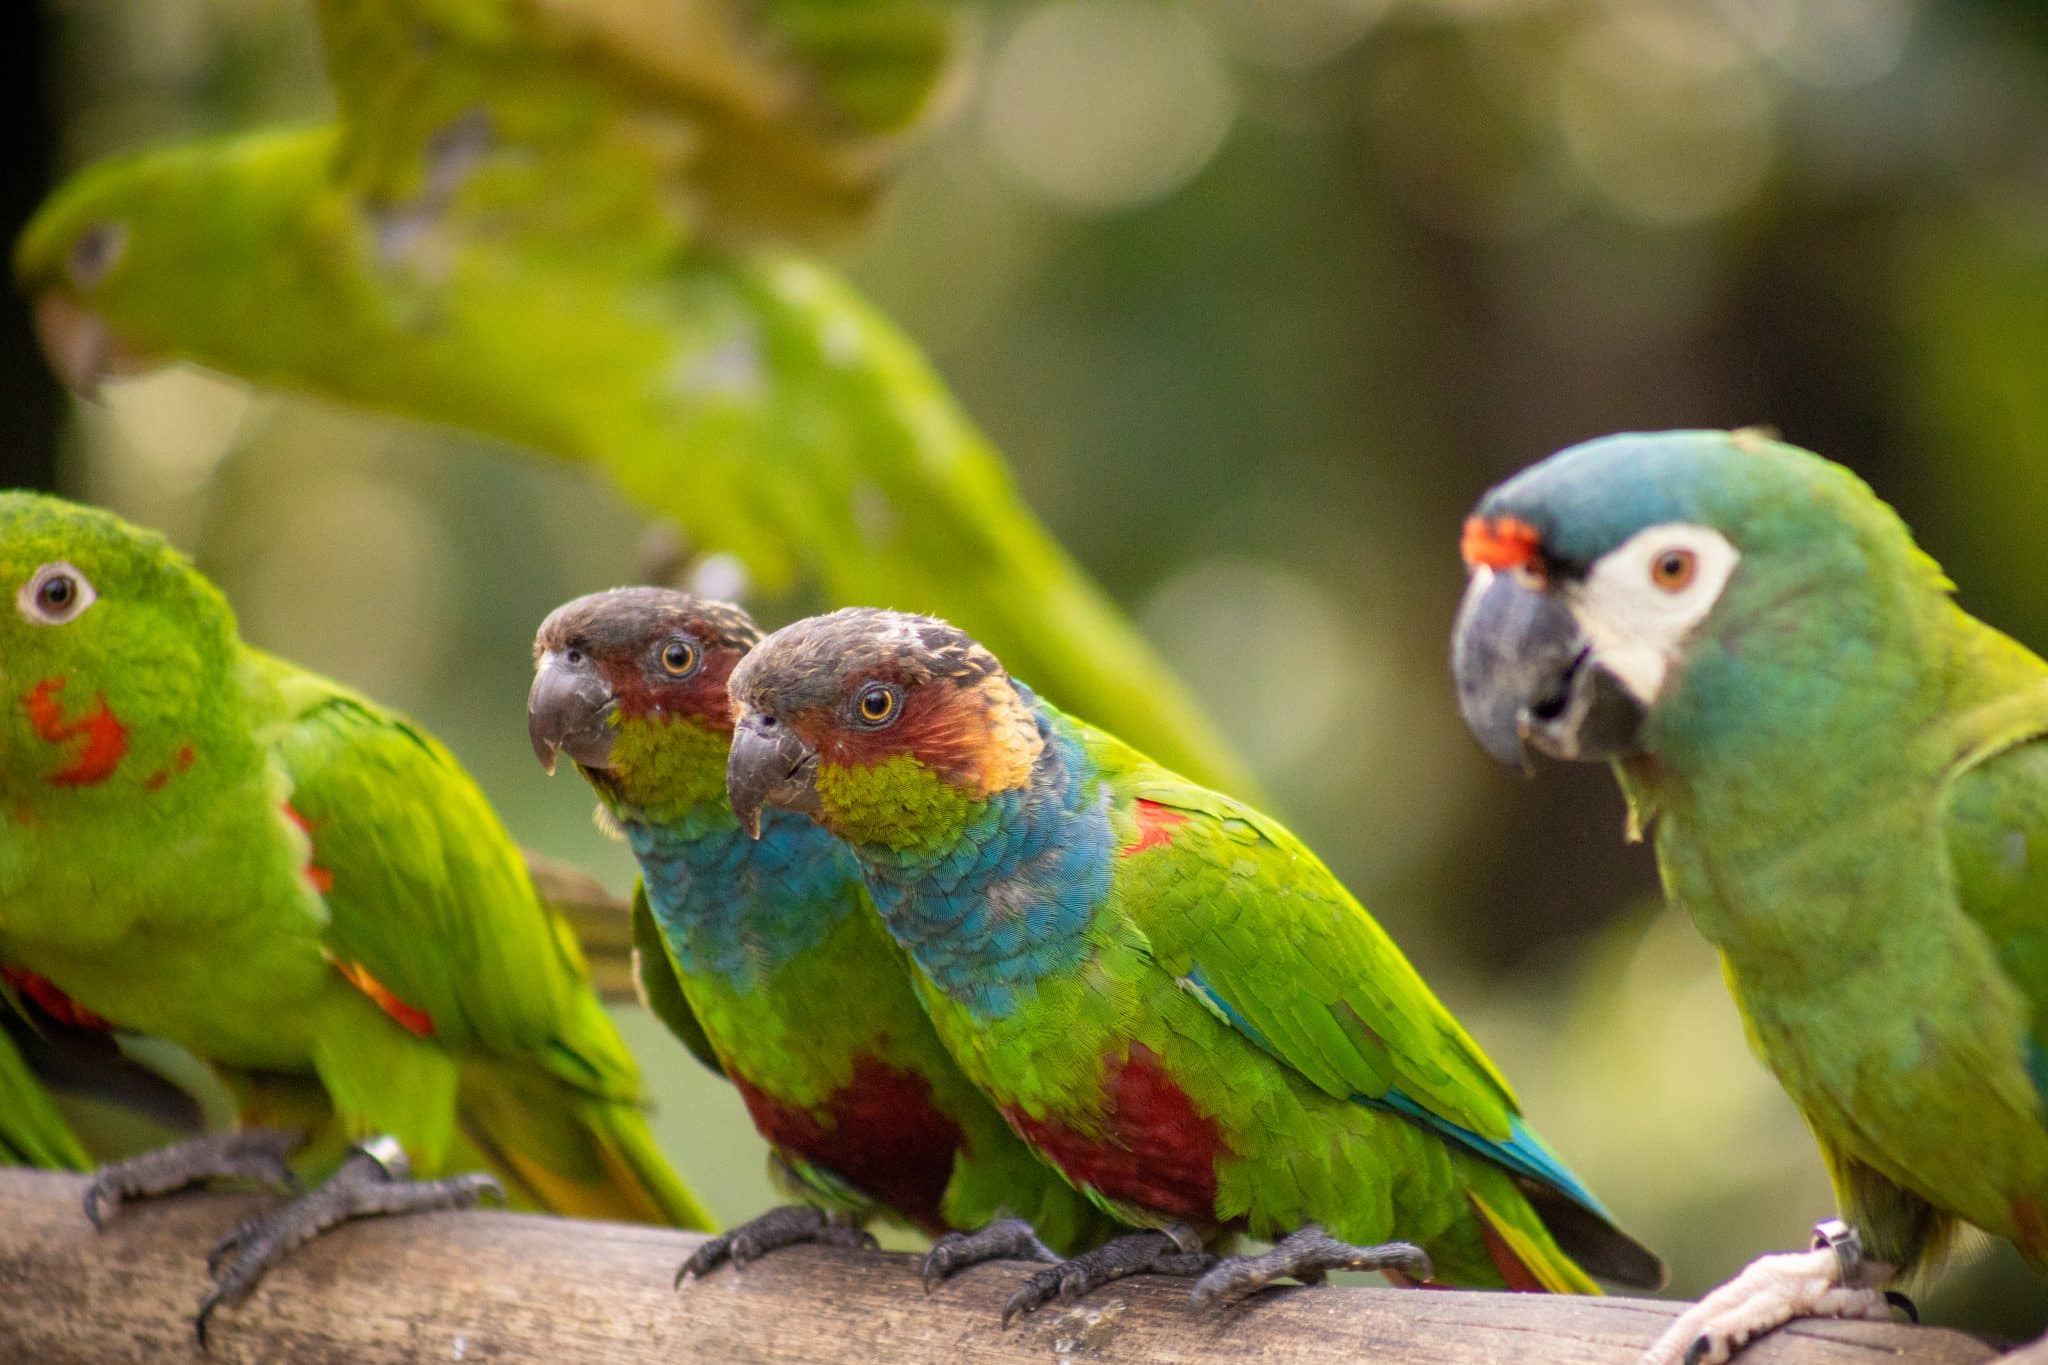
column 253, row 1154
column 1005, row 1239
column 773, row 1230
column 1138, row 1253
column 1903, row 1304
column 1307, row 1255
column 213, row 1301
column 362, row 1188
column 703, row 1261
column 1698, row 1351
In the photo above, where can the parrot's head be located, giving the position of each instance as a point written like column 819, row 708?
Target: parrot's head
column 1645, row 594
column 113, row 655
column 630, row 685
column 168, row 253
column 888, row 728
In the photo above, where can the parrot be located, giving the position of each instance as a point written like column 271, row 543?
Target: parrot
column 202, row 843
column 569, row 226
column 1166, row 994
column 801, row 996
column 1845, row 777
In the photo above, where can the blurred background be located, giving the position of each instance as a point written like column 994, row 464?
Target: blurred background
column 1256, row 297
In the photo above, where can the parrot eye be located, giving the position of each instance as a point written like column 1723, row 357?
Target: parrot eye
column 96, row 252
column 877, row 705
column 678, row 658
column 55, row 595
column 1673, row 570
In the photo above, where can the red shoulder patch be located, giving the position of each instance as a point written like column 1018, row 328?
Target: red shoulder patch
column 414, row 1021
column 106, row 739
column 1156, row 824
column 53, row 1001
column 881, row 1133
column 180, row 761
column 319, row 878
column 1157, row 1151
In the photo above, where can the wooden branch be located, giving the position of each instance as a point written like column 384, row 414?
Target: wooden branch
column 512, row 1287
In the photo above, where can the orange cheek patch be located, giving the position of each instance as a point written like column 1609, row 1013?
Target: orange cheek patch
column 106, row 739
column 1156, row 824
column 1501, row 543
column 413, row 1021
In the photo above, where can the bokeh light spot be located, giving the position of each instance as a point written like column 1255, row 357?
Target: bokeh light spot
column 1107, row 104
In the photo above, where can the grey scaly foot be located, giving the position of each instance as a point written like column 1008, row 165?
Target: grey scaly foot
column 1830, row 1281
column 1175, row 1250
column 782, row 1227
column 1005, row 1239
column 375, row 1180
column 1308, row 1255
column 247, row 1154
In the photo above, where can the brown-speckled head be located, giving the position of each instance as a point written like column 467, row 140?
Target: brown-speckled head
column 861, row 687
column 614, row 657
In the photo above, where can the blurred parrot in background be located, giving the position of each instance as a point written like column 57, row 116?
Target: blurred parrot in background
column 1846, row 778
column 205, row 844
column 805, row 1002
column 1168, row 996
column 566, row 224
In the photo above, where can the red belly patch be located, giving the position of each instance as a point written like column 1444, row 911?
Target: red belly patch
column 106, row 739
column 880, row 1134
column 1156, row 824
column 52, row 1001
column 1158, row 1151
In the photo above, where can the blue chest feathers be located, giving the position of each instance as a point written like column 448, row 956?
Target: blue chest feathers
column 740, row 908
column 1008, row 903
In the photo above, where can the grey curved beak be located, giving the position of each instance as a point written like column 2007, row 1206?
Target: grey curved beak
column 1528, row 677
column 568, row 711
column 769, row 765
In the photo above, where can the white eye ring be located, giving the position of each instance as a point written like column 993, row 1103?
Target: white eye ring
column 1641, row 601
column 55, row 595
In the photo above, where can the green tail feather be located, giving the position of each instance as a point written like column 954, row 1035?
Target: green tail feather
column 572, row 1152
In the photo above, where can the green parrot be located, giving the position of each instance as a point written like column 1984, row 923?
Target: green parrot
column 201, row 843
column 1168, row 996
column 1845, row 776
column 532, row 219
column 802, row 998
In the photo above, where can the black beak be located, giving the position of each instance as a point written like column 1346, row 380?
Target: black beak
column 1527, row 676
column 568, row 710
column 770, row 765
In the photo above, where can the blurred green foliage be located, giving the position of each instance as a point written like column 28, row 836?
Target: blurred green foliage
column 1257, row 298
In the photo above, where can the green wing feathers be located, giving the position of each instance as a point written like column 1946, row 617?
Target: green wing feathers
column 434, row 918
column 1251, row 924
column 32, row 1132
